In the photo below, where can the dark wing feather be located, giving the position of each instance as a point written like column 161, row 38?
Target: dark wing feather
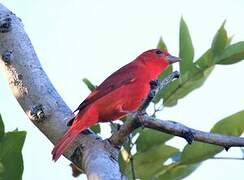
column 123, row 76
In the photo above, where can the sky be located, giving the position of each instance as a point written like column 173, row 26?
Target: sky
column 76, row 39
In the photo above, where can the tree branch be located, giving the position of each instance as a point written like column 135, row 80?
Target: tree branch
column 180, row 130
column 141, row 119
column 43, row 105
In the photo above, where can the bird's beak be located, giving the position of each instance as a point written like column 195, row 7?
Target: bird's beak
column 173, row 59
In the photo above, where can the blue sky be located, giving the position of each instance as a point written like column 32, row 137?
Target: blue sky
column 76, row 39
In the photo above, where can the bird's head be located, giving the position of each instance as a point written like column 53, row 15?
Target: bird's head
column 157, row 56
column 156, row 61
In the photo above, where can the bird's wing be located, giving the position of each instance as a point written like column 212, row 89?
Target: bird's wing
column 123, row 76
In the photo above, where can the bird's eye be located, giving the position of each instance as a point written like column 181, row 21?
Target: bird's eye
column 159, row 52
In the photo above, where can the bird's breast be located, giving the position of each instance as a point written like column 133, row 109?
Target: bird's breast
column 122, row 101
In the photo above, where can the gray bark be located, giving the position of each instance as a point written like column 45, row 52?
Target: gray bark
column 42, row 103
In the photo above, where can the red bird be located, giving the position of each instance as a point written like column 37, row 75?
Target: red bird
column 122, row 92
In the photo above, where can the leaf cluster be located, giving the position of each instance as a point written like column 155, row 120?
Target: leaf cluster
column 11, row 161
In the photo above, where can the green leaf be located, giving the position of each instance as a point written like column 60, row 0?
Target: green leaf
column 220, row 40
column 150, row 161
column 1, row 169
column 206, row 60
column 229, row 40
column 96, row 128
column 149, row 138
column 189, row 81
column 167, row 94
column 89, row 85
column 176, row 171
column 192, row 74
column 1, row 127
column 232, row 125
column 10, row 155
column 232, row 54
column 186, row 48
column 197, row 152
column 161, row 45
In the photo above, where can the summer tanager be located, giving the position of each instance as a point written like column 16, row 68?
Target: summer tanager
column 122, row 92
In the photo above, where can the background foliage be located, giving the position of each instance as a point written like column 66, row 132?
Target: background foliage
column 11, row 161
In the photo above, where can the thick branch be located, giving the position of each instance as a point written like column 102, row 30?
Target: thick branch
column 41, row 102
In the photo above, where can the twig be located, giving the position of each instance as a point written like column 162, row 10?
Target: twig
column 178, row 129
column 156, row 109
column 227, row 158
column 155, row 86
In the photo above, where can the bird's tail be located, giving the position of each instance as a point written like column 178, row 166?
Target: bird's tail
column 81, row 122
column 64, row 142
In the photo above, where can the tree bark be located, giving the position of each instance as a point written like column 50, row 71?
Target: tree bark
column 42, row 103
